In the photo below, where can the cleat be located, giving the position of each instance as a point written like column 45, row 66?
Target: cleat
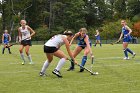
column 23, row 63
column 134, row 54
column 126, row 58
column 10, row 53
column 57, row 73
column 81, row 70
column 70, row 69
column 42, row 74
column 31, row 63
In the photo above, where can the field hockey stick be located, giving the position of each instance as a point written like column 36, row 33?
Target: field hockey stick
column 117, row 41
column 92, row 73
column 92, row 61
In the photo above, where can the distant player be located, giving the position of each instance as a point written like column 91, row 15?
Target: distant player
column 98, row 41
column 52, row 48
column 83, row 44
column 25, row 34
column 126, row 31
column 6, row 38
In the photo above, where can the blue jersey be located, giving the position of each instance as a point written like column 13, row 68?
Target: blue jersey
column 81, row 41
column 98, row 37
column 6, row 38
column 125, row 32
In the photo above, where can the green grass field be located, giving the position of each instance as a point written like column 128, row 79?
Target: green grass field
column 115, row 74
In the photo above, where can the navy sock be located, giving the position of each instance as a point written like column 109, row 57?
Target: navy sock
column 129, row 51
column 9, row 50
column 3, row 50
column 72, row 64
column 84, row 59
column 125, row 53
column 100, row 44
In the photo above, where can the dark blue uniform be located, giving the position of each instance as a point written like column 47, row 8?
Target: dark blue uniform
column 98, row 37
column 125, row 32
column 81, row 41
column 6, row 38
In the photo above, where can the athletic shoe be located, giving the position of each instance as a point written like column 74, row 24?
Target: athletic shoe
column 126, row 58
column 81, row 70
column 23, row 63
column 10, row 53
column 31, row 63
column 70, row 69
column 57, row 73
column 134, row 54
column 42, row 74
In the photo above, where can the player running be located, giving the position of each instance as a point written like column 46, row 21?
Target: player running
column 83, row 43
column 126, row 31
column 6, row 38
column 25, row 34
column 98, row 41
column 52, row 48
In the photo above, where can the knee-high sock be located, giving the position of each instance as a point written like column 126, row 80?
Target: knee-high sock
column 30, row 58
column 22, row 56
column 84, row 59
column 60, row 64
column 125, row 53
column 72, row 64
column 100, row 44
column 9, row 50
column 45, row 66
column 3, row 50
column 129, row 51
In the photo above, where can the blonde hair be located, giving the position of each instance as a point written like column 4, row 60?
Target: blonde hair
column 5, row 30
column 23, row 21
column 83, row 30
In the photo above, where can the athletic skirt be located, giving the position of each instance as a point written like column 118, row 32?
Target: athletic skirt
column 50, row 49
column 127, row 39
column 26, row 42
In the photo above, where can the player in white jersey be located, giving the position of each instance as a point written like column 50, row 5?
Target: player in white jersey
column 25, row 40
column 51, row 48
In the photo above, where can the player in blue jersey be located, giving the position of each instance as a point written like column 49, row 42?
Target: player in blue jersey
column 126, row 31
column 83, row 44
column 98, row 41
column 6, row 38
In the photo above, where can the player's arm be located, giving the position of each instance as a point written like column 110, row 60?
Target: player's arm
column 68, row 48
column 120, row 37
column 75, row 36
column 97, row 34
column 130, row 31
column 9, row 38
column 31, row 30
column 88, row 45
column 19, row 35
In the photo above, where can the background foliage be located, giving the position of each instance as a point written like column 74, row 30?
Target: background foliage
column 49, row 17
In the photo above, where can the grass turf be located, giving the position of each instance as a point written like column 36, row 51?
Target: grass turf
column 115, row 74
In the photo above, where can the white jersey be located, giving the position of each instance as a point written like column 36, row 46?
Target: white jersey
column 55, row 41
column 25, row 33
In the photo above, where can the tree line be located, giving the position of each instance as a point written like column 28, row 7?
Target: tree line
column 49, row 17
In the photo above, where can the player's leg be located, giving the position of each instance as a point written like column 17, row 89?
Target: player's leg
column 125, row 44
column 61, row 62
column 100, row 43
column 84, row 59
column 46, row 63
column 21, row 54
column 3, row 49
column 76, row 51
column 131, row 52
column 8, row 48
column 95, row 43
column 27, row 48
